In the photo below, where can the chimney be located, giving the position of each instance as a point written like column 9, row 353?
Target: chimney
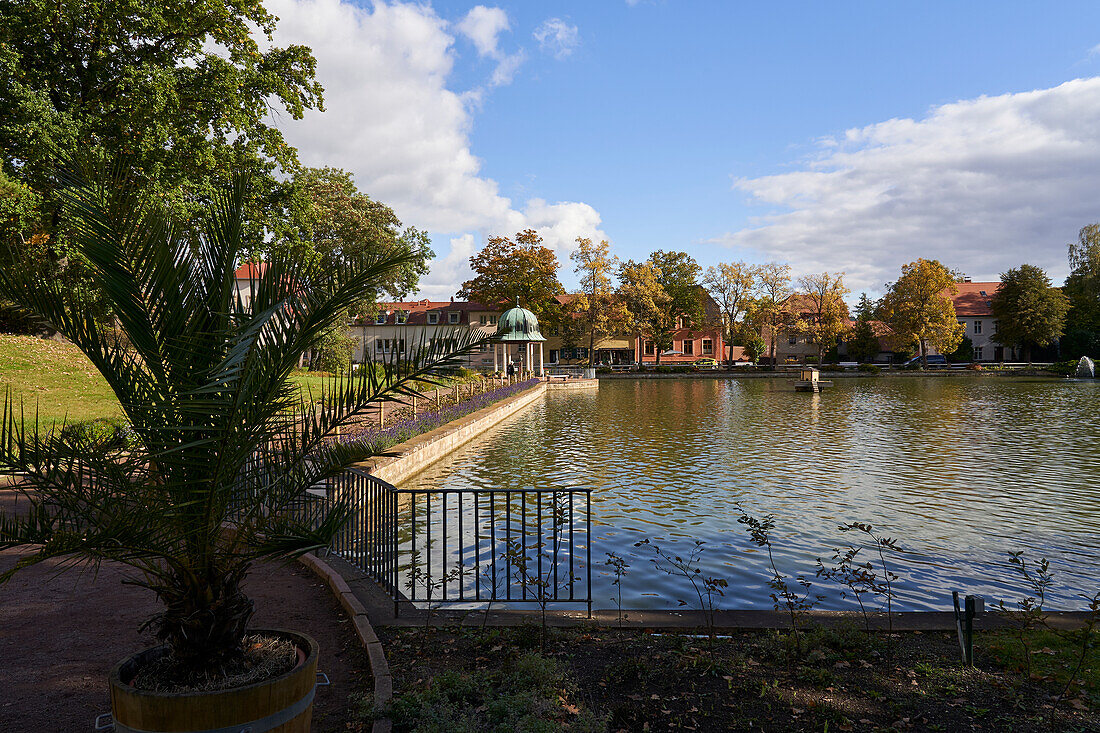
column 452, row 298
column 966, row 280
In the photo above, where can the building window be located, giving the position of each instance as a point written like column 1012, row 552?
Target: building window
column 689, row 347
column 978, row 353
column 483, row 320
column 433, row 318
column 381, row 317
column 402, row 316
column 379, row 346
column 994, row 326
column 792, row 340
column 492, row 320
column 648, row 348
column 977, row 327
column 453, row 317
column 708, row 346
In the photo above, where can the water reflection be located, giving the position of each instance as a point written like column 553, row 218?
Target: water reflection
column 960, row 470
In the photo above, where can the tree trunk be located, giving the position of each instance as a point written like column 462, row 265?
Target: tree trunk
column 591, row 346
column 923, row 355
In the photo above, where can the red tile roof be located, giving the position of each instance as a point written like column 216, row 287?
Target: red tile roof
column 974, row 299
column 250, row 270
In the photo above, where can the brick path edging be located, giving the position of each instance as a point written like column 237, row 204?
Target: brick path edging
column 379, row 667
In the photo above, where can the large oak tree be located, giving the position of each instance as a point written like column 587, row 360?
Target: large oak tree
column 1029, row 310
column 181, row 91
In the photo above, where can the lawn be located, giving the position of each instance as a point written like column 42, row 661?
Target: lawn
column 56, row 379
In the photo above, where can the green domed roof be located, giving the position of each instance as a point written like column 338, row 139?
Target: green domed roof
column 518, row 324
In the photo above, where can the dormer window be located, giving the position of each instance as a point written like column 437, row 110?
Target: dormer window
column 981, row 292
column 433, row 318
column 402, row 316
column 381, row 317
column 453, row 317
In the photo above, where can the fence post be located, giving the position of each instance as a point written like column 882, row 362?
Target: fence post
column 381, row 414
column 414, row 406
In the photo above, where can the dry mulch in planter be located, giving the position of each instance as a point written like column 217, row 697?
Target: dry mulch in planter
column 454, row 678
column 60, row 634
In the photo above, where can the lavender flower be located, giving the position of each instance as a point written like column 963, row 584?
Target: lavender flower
column 382, row 438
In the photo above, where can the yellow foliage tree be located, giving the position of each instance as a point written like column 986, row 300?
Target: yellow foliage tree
column 918, row 308
column 827, row 313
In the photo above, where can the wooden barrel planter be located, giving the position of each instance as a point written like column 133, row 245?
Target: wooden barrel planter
column 283, row 704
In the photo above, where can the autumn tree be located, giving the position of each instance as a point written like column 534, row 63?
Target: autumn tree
column 1082, row 287
column 599, row 310
column 919, row 309
column 647, row 303
column 331, row 225
column 826, row 313
column 1028, row 309
column 732, row 286
column 773, row 290
column 523, row 269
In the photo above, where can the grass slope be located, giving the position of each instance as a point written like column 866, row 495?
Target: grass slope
column 56, row 378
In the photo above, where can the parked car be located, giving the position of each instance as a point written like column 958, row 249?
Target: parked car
column 706, row 362
column 938, row 361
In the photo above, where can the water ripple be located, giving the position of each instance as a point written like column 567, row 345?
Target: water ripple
column 959, row 470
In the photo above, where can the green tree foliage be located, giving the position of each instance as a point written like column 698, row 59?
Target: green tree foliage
column 678, row 273
column 601, row 312
column 221, row 436
column 861, row 342
column 506, row 270
column 331, row 224
column 1029, row 310
column 866, row 308
column 919, row 309
column 731, row 285
column 1082, row 287
column 181, row 89
column 647, row 302
column 964, row 354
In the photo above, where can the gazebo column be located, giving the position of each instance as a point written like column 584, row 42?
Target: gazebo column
column 542, row 364
column 496, row 363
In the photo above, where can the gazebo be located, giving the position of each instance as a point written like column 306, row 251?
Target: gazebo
column 520, row 327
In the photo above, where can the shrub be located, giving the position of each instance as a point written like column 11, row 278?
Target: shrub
column 811, row 359
column 104, row 434
column 1065, row 368
column 870, row 368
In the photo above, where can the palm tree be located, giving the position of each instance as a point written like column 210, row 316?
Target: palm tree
column 224, row 444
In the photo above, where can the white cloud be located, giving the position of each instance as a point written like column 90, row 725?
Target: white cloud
column 557, row 37
column 982, row 185
column 1094, row 51
column 482, row 26
column 393, row 122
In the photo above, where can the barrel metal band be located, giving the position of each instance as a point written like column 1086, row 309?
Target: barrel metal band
column 254, row 726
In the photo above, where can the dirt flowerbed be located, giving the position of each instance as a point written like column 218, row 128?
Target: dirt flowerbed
column 463, row 679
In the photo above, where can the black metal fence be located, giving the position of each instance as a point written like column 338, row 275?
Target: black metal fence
column 513, row 546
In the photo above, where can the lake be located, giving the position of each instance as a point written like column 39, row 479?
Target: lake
column 959, row 470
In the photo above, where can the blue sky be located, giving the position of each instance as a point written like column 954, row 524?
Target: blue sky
column 722, row 129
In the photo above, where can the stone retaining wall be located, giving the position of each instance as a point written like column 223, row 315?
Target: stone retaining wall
column 418, row 453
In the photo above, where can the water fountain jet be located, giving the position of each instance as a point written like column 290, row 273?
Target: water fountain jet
column 1086, row 369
